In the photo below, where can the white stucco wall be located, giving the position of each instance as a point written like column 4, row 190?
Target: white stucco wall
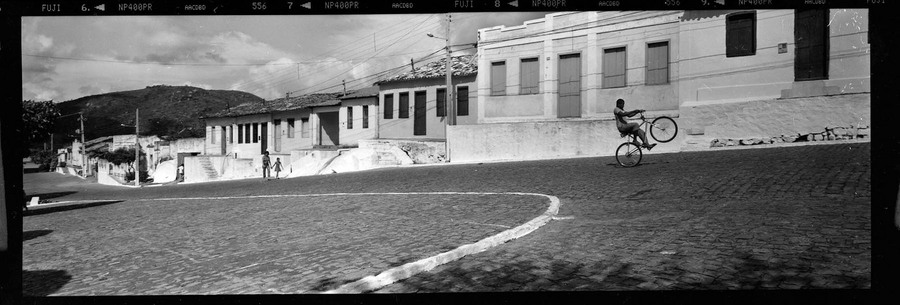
column 402, row 128
column 352, row 136
column 540, row 140
column 607, row 30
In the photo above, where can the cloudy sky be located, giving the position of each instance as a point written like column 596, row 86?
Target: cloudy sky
column 64, row 58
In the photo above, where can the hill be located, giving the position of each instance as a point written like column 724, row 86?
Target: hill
column 175, row 110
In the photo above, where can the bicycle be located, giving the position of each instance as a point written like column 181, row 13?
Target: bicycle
column 662, row 129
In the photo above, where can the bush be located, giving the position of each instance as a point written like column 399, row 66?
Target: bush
column 44, row 159
column 129, row 176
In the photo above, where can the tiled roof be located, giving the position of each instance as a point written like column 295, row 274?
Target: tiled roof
column 276, row 105
column 364, row 92
column 462, row 65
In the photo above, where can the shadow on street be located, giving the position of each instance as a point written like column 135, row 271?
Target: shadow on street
column 46, row 196
column 46, row 210
column 43, row 282
column 807, row 270
column 29, row 235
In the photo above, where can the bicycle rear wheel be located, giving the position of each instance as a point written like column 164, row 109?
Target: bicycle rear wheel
column 663, row 129
column 628, row 154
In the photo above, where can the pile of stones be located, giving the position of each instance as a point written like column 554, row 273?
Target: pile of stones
column 830, row 134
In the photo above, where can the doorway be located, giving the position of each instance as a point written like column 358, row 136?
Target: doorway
column 811, row 44
column 569, row 100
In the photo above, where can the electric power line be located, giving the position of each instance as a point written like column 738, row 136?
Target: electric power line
column 357, row 65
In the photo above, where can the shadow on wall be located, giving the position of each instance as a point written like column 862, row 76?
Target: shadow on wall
column 43, row 282
column 29, row 235
column 674, row 272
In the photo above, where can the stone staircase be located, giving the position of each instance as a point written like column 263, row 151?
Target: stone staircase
column 208, row 168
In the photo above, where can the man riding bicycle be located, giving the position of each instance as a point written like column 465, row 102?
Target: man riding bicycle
column 630, row 128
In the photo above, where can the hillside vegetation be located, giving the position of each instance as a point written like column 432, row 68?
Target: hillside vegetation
column 169, row 111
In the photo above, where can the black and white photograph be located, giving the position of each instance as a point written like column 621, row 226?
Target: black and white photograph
column 456, row 152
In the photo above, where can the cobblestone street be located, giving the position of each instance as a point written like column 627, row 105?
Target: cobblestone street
column 774, row 218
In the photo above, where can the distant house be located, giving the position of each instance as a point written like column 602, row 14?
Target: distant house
column 278, row 126
column 412, row 105
column 359, row 116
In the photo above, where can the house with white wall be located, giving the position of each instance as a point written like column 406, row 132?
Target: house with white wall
column 359, row 116
column 277, row 126
column 412, row 105
column 547, row 87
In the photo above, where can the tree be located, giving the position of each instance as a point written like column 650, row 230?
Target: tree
column 37, row 121
column 119, row 156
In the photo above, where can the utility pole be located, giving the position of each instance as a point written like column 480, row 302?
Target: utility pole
column 451, row 104
column 84, row 167
column 344, row 82
column 137, row 149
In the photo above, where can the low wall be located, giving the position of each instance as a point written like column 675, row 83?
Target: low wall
column 540, row 140
column 193, row 170
column 419, row 151
column 772, row 118
column 240, row 168
column 310, row 162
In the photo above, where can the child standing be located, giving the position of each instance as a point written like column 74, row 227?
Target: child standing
column 277, row 167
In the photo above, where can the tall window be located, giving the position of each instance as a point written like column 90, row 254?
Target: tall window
column 404, row 105
column 614, row 68
column 442, row 102
column 740, row 34
column 365, row 116
column 350, row 117
column 498, row 78
column 462, row 101
column 228, row 133
column 212, row 133
column 389, row 106
column 247, row 138
column 255, row 132
column 528, row 76
column 658, row 63
column 304, row 128
column 240, row 133
column 290, row 128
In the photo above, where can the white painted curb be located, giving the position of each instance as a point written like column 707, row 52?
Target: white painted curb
column 395, row 274
column 405, row 271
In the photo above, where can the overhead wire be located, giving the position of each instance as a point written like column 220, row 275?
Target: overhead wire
column 357, row 65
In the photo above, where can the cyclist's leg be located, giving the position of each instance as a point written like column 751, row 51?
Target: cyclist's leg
column 636, row 130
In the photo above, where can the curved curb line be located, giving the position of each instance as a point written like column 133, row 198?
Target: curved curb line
column 405, row 271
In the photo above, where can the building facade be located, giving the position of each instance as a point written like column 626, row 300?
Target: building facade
column 358, row 116
column 413, row 105
column 553, row 82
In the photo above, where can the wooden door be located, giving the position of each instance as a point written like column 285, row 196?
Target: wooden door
column 419, row 125
column 569, row 101
column 811, row 44
column 263, row 137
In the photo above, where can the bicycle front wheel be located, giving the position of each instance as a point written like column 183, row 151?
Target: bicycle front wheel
column 628, row 154
column 663, row 129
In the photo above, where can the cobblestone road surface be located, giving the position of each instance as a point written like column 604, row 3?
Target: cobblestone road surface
column 779, row 218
